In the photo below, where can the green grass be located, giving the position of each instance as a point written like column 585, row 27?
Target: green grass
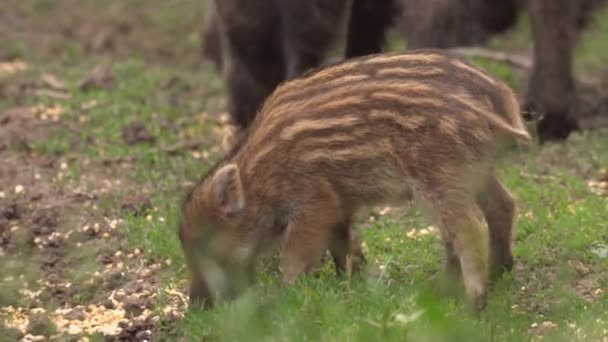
column 560, row 221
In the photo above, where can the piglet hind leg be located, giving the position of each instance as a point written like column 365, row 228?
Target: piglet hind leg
column 499, row 209
column 466, row 241
column 450, row 281
column 345, row 249
column 245, row 92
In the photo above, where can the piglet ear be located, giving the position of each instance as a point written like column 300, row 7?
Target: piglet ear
column 227, row 191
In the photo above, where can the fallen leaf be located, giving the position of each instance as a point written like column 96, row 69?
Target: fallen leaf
column 11, row 67
column 53, row 82
column 410, row 318
column 89, row 105
column 100, row 77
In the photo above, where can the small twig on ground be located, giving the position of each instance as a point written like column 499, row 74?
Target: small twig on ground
column 181, row 146
column 516, row 61
column 55, row 94
column 538, row 177
column 117, row 160
column 84, row 195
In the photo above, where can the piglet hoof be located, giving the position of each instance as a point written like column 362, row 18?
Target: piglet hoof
column 477, row 302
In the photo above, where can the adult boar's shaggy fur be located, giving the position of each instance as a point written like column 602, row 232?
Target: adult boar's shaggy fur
column 555, row 28
column 259, row 44
column 283, row 25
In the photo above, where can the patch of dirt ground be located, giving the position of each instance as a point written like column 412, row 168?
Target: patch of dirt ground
column 49, row 29
column 66, row 267
column 50, row 226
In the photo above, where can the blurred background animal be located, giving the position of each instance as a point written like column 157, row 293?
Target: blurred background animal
column 257, row 45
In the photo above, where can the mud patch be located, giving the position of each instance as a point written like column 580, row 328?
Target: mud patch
column 589, row 287
column 136, row 204
column 137, row 133
column 17, row 129
column 87, row 281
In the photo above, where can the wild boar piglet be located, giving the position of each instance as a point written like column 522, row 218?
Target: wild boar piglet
column 363, row 132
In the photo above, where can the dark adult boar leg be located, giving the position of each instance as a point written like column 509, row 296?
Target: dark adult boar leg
column 251, row 53
column 309, row 28
column 551, row 90
column 210, row 35
column 498, row 16
column 245, row 94
column 345, row 244
column 369, row 20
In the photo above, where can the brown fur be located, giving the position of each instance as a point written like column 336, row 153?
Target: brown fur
column 321, row 148
column 424, row 24
column 449, row 23
column 259, row 44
